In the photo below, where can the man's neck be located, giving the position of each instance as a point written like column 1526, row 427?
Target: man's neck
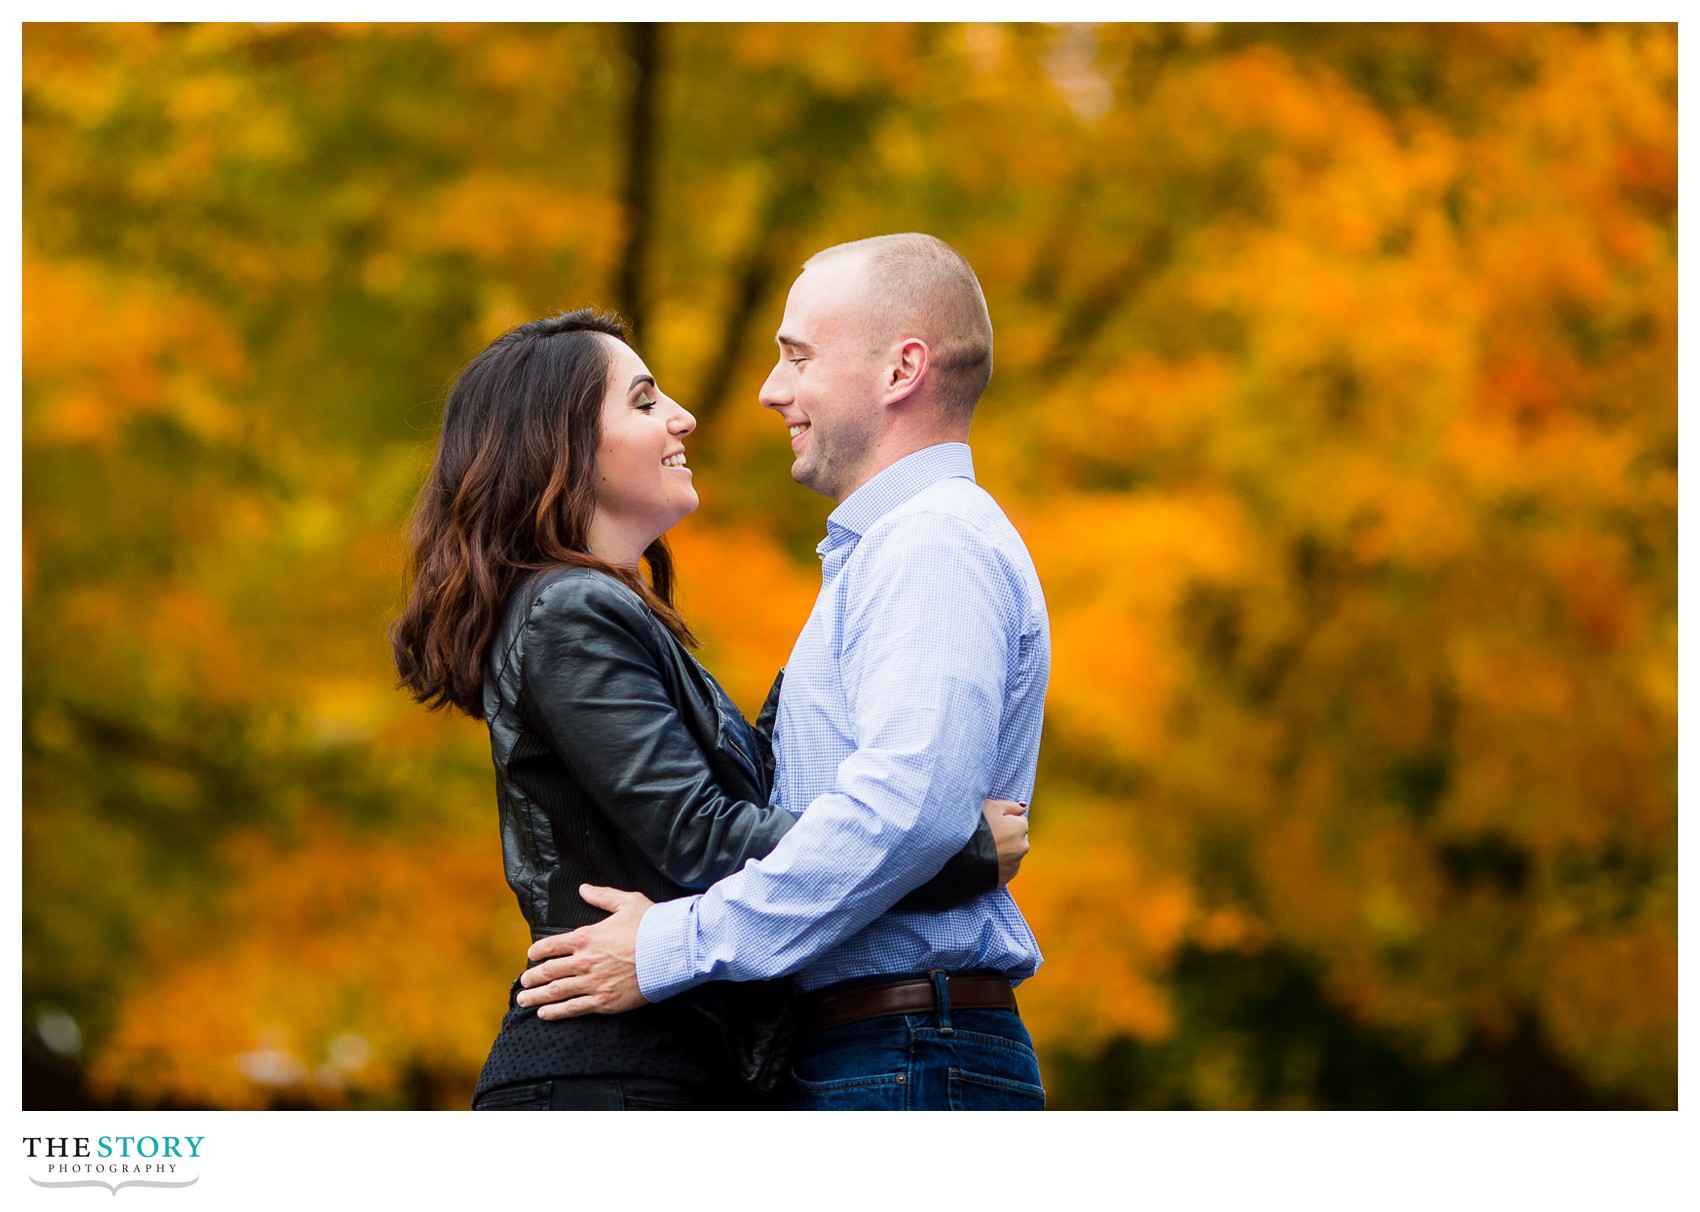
column 897, row 446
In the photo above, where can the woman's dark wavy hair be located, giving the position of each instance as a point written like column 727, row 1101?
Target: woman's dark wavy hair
column 511, row 491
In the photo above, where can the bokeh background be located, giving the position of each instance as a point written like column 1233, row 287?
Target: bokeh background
column 1335, row 396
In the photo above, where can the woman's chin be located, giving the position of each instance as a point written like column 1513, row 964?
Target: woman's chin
column 686, row 508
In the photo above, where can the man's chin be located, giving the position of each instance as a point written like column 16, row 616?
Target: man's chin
column 804, row 473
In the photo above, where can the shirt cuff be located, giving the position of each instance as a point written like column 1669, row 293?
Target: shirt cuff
column 663, row 949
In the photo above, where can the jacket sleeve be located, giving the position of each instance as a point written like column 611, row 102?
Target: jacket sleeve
column 592, row 686
column 970, row 872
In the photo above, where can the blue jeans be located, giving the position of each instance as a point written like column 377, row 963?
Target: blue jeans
column 966, row 1060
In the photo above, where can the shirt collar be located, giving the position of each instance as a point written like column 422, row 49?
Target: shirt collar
column 897, row 483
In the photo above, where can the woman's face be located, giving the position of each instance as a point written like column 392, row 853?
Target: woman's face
column 642, row 484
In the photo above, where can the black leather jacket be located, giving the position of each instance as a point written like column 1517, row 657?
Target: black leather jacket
column 621, row 762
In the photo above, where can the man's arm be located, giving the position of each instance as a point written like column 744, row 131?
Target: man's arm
column 924, row 675
column 601, row 976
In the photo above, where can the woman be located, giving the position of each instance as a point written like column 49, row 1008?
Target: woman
column 619, row 760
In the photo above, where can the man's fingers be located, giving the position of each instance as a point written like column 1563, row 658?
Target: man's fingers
column 573, row 1008
column 556, row 990
column 549, row 970
column 603, row 898
column 555, row 944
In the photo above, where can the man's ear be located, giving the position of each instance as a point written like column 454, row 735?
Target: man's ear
column 908, row 367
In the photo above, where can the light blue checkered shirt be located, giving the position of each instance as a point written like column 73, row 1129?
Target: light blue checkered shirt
column 914, row 692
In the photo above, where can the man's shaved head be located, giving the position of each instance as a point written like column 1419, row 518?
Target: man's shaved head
column 917, row 285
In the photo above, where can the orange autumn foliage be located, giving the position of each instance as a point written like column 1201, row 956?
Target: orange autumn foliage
column 1335, row 396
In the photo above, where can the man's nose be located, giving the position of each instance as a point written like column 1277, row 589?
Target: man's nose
column 773, row 393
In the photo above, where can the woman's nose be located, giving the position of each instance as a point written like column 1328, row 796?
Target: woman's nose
column 682, row 421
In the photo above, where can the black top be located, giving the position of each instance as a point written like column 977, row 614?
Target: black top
column 621, row 762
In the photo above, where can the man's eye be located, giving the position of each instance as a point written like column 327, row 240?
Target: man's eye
column 798, row 361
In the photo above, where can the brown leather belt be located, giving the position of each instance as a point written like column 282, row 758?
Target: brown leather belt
column 902, row 997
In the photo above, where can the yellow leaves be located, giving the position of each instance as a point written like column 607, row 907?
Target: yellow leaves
column 744, row 600
column 1343, row 885
column 985, row 45
column 1138, row 547
column 326, row 968
column 1113, row 570
column 1304, row 303
column 194, row 651
column 509, row 63
column 1610, row 1001
column 1306, row 111
column 759, row 44
column 1562, row 460
column 1591, row 573
column 1379, row 515
column 495, row 216
column 839, row 60
column 1550, row 753
column 78, row 77
column 101, row 349
column 1354, row 501
column 1613, row 72
column 1113, row 680
column 311, row 524
column 1154, row 406
column 204, row 96
column 342, row 711
column 1108, row 921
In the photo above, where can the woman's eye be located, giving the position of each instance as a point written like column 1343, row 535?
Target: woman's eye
column 645, row 405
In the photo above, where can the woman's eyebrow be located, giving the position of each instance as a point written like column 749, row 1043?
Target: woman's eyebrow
column 636, row 380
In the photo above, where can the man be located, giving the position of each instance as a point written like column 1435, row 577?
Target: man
column 915, row 690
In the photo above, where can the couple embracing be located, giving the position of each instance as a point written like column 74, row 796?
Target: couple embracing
column 808, row 912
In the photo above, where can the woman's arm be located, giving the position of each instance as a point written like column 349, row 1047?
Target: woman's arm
column 989, row 861
column 592, row 686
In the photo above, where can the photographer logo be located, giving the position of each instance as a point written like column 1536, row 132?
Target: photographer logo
column 113, row 1162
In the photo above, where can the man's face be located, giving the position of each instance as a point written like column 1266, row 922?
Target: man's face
column 826, row 384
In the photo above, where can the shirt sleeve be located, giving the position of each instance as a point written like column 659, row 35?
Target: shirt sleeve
column 923, row 667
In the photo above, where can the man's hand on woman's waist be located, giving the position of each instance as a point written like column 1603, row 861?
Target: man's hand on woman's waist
column 591, row 970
